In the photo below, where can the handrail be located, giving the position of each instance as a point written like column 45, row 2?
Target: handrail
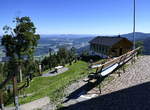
column 119, row 59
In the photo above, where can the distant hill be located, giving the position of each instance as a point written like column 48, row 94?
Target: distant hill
column 138, row 35
column 146, row 42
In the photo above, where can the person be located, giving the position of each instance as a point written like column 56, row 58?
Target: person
column 30, row 76
column 56, row 70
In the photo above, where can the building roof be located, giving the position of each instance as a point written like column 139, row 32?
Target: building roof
column 106, row 41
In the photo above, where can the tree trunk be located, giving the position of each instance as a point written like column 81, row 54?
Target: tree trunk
column 15, row 93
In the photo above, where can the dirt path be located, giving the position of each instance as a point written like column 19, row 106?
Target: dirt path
column 34, row 105
column 130, row 91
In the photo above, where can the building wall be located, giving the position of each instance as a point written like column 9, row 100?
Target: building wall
column 124, row 44
column 114, row 51
column 100, row 50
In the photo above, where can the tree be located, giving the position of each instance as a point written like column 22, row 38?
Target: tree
column 45, row 63
column 50, row 58
column 21, row 41
column 63, row 54
column 1, row 71
column 72, row 55
column 141, row 45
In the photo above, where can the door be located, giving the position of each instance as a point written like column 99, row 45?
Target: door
column 120, row 51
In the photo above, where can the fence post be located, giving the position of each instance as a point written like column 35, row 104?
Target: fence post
column 1, row 100
column 132, row 60
column 119, row 64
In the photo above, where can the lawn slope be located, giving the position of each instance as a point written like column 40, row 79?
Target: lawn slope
column 54, row 86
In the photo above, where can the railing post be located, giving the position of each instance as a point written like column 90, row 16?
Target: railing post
column 96, row 70
column 99, row 80
column 133, row 57
column 132, row 60
column 120, row 60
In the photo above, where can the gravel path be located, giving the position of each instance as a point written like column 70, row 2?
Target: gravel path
column 131, row 91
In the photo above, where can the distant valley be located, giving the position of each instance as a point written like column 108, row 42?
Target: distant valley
column 80, row 42
column 56, row 41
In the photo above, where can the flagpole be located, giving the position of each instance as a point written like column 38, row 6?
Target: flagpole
column 134, row 13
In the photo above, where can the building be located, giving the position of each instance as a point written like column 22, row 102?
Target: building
column 110, row 46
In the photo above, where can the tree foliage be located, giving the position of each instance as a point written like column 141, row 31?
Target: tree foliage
column 20, row 43
column 141, row 45
column 62, row 57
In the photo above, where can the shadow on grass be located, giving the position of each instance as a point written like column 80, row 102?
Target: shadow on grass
column 132, row 98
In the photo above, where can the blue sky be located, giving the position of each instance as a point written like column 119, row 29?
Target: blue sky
column 107, row 17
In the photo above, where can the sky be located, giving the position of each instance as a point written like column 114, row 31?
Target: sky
column 107, row 17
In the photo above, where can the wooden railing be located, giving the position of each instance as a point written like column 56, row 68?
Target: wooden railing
column 116, row 62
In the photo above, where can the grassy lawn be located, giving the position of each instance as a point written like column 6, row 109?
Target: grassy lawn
column 54, row 86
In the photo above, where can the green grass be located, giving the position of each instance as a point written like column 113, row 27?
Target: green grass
column 54, row 86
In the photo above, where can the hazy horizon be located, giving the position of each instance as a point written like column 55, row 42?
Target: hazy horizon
column 87, row 34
